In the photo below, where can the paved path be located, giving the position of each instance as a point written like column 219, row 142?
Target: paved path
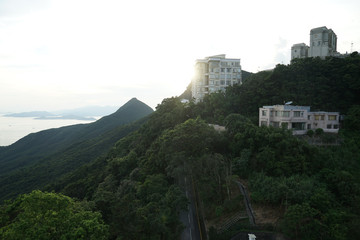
column 189, row 217
column 249, row 210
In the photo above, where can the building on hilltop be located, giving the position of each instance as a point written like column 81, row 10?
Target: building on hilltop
column 298, row 118
column 323, row 43
column 300, row 50
column 213, row 74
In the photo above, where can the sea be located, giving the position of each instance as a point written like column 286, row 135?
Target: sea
column 14, row 128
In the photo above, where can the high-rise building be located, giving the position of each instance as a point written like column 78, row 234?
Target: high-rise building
column 300, row 50
column 213, row 74
column 322, row 42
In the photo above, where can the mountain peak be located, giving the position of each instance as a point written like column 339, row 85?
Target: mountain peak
column 137, row 103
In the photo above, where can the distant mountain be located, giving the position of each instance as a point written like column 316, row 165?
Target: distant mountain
column 73, row 117
column 30, row 114
column 88, row 111
column 41, row 157
column 83, row 113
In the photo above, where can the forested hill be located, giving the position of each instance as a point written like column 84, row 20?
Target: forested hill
column 301, row 190
column 311, row 192
column 45, row 155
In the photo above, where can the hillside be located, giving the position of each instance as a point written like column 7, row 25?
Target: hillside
column 140, row 185
column 43, row 156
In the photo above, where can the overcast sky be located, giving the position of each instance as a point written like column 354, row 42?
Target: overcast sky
column 73, row 53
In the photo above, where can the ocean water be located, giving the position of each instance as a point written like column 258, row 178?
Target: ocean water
column 15, row 128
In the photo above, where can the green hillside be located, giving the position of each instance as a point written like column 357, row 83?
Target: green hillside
column 312, row 192
column 39, row 158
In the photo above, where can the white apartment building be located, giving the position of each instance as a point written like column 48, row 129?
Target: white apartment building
column 213, row 74
column 298, row 118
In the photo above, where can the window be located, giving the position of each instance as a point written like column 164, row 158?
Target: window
column 222, row 82
column 228, row 70
column 298, row 126
column 296, row 113
column 217, row 83
column 228, row 82
column 328, row 126
column 228, row 76
column 309, row 117
column 319, row 117
column 263, row 123
column 332, row 117
column 285, row 113
column 309, row 126
column 277, row 114
column 211, row 82
column 271, row 113
column 336, row 126
column 222, row 69
column 263, row 113
column 275, row 124
column 222, row 76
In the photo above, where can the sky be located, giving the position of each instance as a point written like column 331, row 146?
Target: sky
column 71, row 53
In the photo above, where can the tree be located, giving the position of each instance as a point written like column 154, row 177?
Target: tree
column 300, row 222
column 352, row 120
column 41, row 215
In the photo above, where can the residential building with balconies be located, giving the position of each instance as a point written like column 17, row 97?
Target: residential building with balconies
column 213, row 74
column 298, row 118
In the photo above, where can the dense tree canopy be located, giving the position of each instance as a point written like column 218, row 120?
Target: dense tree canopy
column 40, row 215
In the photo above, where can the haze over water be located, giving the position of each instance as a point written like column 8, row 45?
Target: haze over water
column 15, row 128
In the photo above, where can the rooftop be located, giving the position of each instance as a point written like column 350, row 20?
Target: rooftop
column 289, row 107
